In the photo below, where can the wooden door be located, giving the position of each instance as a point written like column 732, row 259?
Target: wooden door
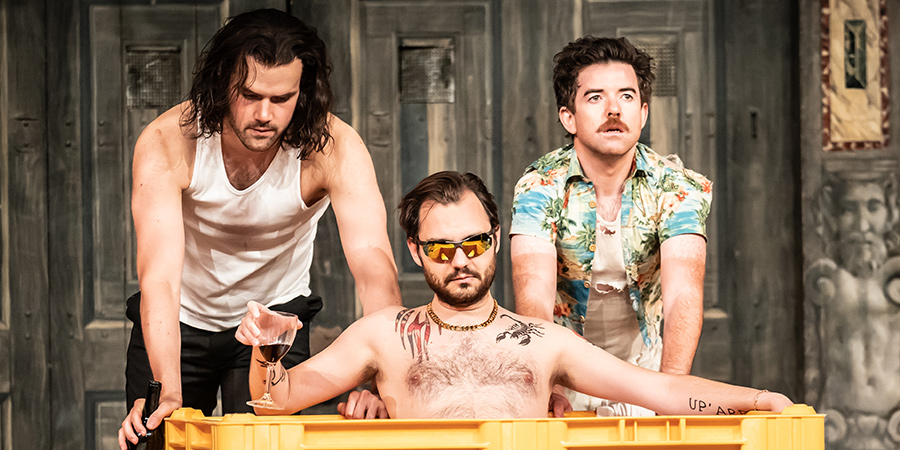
column 24, row 287
column 140, row 62
column 423, row 87
column 136, row 63
column 682, row 121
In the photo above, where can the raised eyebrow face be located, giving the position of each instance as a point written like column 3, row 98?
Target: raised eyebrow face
column 590, row 92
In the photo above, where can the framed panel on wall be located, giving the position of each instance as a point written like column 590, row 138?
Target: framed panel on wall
column 855, row 99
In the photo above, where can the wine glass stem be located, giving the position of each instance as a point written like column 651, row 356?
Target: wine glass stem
column 270, row 374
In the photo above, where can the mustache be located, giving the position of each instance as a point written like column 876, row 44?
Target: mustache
column 264, row 125
column 462, row 271
column 613, row 123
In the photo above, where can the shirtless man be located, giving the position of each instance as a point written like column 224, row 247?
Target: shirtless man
column 463, row 356
column 228, row 188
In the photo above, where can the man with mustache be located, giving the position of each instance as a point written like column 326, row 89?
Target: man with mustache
column 227, row 191
column 608, row 237
column 464, row 356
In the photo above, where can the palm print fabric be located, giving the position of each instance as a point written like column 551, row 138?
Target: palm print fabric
column 555, row 201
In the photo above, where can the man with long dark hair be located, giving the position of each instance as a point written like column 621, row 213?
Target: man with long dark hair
column 227, row 190
column 608, row 237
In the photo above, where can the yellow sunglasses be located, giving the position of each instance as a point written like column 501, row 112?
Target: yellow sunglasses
column 472, row 246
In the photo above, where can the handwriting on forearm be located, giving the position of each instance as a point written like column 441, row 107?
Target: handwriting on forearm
column 699, row 405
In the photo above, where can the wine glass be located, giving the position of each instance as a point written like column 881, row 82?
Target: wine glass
column 277, row 330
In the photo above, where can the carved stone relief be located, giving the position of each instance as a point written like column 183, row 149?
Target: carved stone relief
column 853, row 357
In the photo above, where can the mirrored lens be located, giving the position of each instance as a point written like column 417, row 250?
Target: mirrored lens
column 473, row 248
column 444, row 251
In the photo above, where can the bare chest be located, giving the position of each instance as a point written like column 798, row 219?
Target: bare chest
column 244, row 168
column 470, row 381
column 449, row 374
column 244, row 172
column 608, row 206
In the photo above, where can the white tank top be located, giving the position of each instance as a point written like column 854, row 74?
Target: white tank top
column 242, row 245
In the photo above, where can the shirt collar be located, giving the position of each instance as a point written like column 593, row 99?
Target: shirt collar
column 642, row 166
column 575, row 170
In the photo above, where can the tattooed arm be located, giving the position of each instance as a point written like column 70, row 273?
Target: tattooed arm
column 343, row 365
column 589, row 369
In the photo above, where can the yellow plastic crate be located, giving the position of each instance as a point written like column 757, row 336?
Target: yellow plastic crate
column 797, row 428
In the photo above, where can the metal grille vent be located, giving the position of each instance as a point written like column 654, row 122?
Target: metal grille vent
column 427, row 75
column 153, row 77
column 665, row 56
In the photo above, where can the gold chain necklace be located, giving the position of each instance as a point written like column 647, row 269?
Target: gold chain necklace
column 447, row 326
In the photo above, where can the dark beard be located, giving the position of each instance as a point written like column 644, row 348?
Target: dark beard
column 466, row 296
column 861, row 255
column 253, row 144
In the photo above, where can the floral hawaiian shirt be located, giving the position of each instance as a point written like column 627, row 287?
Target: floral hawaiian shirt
column 555, row 201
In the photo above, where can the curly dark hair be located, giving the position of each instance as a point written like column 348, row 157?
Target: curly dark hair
column 591, row 50
column 273, row 38
column 445, row 188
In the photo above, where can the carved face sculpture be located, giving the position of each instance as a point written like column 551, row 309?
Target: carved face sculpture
column 863, row 221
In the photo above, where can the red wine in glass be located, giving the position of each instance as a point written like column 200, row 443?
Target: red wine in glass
column 274, row 352
column 277, row 331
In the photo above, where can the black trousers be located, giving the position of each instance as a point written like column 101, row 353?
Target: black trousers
column 211, row 360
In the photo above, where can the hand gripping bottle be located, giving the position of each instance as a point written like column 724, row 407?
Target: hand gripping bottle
column 154, row 439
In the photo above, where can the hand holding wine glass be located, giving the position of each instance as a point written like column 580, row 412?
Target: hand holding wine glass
column 273, row 332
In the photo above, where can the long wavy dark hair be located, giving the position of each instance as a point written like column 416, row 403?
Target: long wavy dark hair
column 273, row 38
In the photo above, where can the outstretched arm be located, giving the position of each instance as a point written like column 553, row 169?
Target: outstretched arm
column 682, row 266
column 589, row 369
column 343, row 365
column 361, row 219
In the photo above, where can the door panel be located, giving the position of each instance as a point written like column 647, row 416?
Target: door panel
column 24, row 299
column 141, row 60
column 423, row 90
column 677, row 34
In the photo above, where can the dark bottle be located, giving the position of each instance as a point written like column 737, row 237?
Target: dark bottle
column 154, row 439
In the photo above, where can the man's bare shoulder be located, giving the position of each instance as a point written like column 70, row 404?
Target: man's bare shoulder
column 166, row 146
column 345, row 143
column 507, row 314
column 382, row 319
column 521, row 325
column 344, row 135
column 343, row 167
column 168, row 131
